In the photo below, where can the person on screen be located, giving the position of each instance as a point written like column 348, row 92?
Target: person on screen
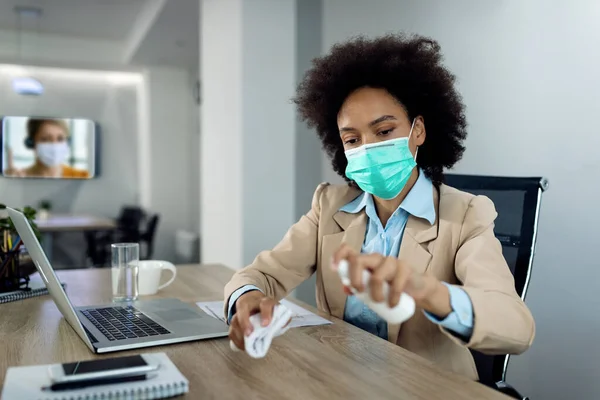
column 390, row 119
column 48, row 138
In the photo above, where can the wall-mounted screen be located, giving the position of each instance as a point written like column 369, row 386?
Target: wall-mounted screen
column 59, row 148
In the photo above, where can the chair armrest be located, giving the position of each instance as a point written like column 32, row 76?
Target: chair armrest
column 510, row 391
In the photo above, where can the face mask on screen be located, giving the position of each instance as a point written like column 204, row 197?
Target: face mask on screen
column 52, row 154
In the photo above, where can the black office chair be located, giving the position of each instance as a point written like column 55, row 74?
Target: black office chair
column 129, row 224
column 147, row 237
column 96, row 250
column 517, row 202
column 128, row 230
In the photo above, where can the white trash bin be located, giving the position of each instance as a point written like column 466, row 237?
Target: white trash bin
column 186, row 247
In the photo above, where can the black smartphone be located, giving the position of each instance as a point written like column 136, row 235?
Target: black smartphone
column 103, row 368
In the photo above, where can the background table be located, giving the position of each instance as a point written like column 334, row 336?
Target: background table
column 56, row 223
column 335, row 361
column 70, row 223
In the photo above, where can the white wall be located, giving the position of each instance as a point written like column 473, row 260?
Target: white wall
column 148, row 154
column 248, row 127
column 329, row 175
column 171, row 170
column 528, row 71
column 269, row 119
column 308, row 146
column 220, row 144
column 109, row 99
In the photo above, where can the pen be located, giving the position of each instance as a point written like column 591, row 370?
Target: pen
column 4, row 266
column 9, row 258
column 59, row 386
column 9, row 249
column 18, row 242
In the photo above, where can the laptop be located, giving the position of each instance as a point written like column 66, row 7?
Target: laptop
column 121, row 326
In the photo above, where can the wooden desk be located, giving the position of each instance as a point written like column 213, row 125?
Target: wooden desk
column 335, row 361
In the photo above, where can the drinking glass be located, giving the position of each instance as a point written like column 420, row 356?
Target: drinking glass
column 125, row 270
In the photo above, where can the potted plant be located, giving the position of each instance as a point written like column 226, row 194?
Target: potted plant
column 6, row 223
column 13, row 272
column 44, row 209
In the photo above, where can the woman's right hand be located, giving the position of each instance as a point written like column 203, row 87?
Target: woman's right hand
column 246, row 305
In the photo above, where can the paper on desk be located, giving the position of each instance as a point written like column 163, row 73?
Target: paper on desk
column 301, row 317
column 212, row 308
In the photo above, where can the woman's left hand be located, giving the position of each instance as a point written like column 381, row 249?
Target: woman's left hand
column 427, row 291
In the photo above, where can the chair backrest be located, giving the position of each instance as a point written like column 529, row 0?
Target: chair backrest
column 148, row 235
column 517, row 201
column 129, row 222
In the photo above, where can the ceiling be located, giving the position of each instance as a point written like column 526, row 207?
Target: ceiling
column 144, row 32
column 87, row 18
column 174, row 37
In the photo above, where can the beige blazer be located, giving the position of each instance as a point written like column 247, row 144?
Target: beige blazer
column 460, row 248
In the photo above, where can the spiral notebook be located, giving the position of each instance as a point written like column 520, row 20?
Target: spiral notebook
column 26, row 383
column 36, row 288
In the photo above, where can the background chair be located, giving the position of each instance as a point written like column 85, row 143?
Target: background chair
column 129, row 224
column 147, row 238
column 517, row 202
column 128, row 229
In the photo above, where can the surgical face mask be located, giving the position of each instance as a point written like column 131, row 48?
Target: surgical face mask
column 383, row 168
column 52, row 154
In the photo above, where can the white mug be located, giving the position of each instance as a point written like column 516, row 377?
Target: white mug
column 149, row 276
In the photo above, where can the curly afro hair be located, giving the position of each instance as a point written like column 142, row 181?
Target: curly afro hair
column 410, row 69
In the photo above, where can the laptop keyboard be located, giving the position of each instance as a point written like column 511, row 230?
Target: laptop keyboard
column 118, row 323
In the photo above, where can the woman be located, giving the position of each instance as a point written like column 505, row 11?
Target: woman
column 390, row 119
column 48, row 139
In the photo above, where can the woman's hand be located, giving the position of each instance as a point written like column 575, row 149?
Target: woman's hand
column 248, row 304
column 428, row 292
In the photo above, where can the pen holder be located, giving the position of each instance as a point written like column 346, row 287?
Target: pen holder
column 11, row 276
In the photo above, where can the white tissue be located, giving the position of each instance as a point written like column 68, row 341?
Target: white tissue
column 258, row 343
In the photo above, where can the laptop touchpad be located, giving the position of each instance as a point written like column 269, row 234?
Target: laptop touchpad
column 178, row 314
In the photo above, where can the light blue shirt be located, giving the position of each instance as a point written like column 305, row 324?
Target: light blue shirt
column 386, row 241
